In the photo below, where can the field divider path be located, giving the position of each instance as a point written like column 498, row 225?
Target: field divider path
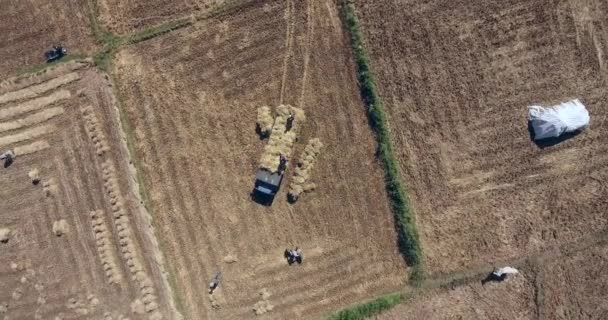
column 408, row 238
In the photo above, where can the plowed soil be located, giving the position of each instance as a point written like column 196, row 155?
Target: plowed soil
column 30, row 27
column 81, row 273
column 456, row 78
column 191, row 98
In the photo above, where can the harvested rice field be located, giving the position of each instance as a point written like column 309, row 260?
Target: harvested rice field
column 77, row 244
column 132, row 170
column 30, row 27
column 191, row 99
column 456, row 78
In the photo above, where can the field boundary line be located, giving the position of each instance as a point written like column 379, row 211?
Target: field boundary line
column 127, row 134
column 405, row 224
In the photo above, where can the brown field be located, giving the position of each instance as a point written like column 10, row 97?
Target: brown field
column 566, row 283
column 575, row 285
column 191, row 99
column 509, row 300
column 30, row 27
column 456, row 78
column 129, row 16
column 63, row 123
column 172, row 143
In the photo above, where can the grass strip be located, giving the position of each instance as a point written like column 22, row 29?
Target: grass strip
column 408, row 239
column 368, row 309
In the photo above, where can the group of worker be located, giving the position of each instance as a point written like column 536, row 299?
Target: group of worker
column 292, row 256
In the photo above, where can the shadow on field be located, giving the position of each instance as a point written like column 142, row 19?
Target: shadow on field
column 260, row 134
column 549, row 142
column 265, row 201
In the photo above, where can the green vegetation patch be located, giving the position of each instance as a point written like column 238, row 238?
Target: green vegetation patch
column 368, row 309
column 409, row 241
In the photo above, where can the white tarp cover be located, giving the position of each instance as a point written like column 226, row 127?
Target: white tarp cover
column 507, row 270
column 553, row 121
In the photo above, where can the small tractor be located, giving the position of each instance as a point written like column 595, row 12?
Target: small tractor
column 267, row 185
column 55, row 54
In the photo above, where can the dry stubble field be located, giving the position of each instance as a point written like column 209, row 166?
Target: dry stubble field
column 131, row 16
column 456, row 78
column 64, row 125
column 191, row 98
column 565, row 284
column 30, row 27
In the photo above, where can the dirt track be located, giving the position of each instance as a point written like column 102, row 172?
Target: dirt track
column 30, row 27
column 82, row 273
column 191, row 98
column 456, row 78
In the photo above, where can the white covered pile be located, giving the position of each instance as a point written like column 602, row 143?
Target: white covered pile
column 554, row 121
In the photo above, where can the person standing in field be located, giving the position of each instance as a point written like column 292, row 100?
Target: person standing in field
column 289, row 123
column 215, row 282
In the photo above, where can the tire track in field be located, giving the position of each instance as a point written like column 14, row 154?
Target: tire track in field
column 310, row 28
column 65, row 161
column 81, row 154
column 186, row 197
column 99, row 201
column 327, row 265
column 63, row 209
column 338, row 301
column 199, row 214
column 183, row 251
column 195, row 268
column 148, row 121
column 314, row 289
column 289, row 39
column 228, row 245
